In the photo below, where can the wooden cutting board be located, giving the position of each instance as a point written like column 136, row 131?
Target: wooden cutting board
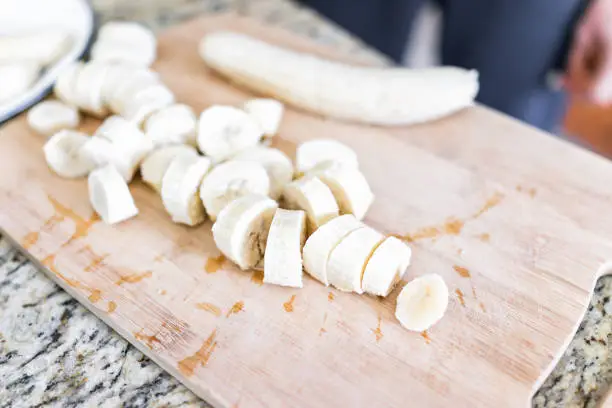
column 518, row 230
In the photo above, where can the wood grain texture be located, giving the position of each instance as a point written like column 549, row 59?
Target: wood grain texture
column 520, row 264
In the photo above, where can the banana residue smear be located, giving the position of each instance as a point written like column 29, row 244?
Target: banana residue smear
column 148, row 340
column 482, row 307
column 460, row 297
column 463, row 272
column 49, row 262
column 426, row 336
column 484, row 237
column 210, row 308
column 257, row 277
column 330, row 296
column 288, row 305
column 97, row 261
column 133, row 278
column 236, row 308
column 378, row 332
column 531, row 191
column 95, row 295
column 213, row 264
column 30, row 239
column 188, row 365
column 111, row 307
column 81, row 225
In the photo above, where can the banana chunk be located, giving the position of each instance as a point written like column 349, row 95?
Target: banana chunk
column 276, row 163
column 44, row 47
column 283, row 257
column 63, row 154
column 349, row 258
column 154, row 166
column 125, row 42
column 139, row 106
column 313, row 196
column 65, row 85
column 323, row 241
column 241, row 230
column 311, row 153
column 267, row 112
column 88, row 85
column 16, row 78
column 174, row 124
column 224, row 131
column 231, row 180
column 386, row 267
column 179, row 189
column 110, row 196
column 49, row 117
column 422, row 302
column 119, row 90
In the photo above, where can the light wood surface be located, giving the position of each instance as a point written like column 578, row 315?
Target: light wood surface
column 520, row 265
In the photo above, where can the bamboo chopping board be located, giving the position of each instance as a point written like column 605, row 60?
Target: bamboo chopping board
column 520, row 265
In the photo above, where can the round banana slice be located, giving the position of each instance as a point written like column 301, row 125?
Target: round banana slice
column 154, row 166
column 127, row 32
column 267, row 112
column 121, row 53
column 88, row 89
column 65, row 85
column 323, row 241
column 125, row 42
column 348, row 259
column 224, row 131
column 114, row 76
column 49, row 117
column 62, row 153
column 16, row 78
column 313, row 196
column 110, row 196
column 147, row 101
column 276, row 163
column 231, row 180
column 118, row 91
column 386, row 267
column 241, row 230
column 179, row 189
column 422, row 302
column 174, row 124
column 311, row 153
column 283, row 257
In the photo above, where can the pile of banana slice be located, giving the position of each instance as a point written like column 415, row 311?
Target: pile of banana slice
column 267, row 213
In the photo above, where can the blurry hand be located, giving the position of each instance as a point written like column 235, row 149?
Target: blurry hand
column 590, row 62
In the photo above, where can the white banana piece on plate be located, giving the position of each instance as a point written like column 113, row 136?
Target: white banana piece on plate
column 16, row 78
column 119, row 91
column 65, row 84
column 231, row 180
column 145, row 102
column 277, row 164
column 267, row 112
column 373, row 95
column 223, row 131
column 154, row 166
column 310, row 154
column 323, row 241
column 49, row 117
column 349, row 186
column 422, row 302
column 110, row 196
column 88, row 89
column 63, row 154
column 179, row 189
column 283, row 255
column 45, row 47
column 348, row 259
column 174, row 124
column 241, row 230
column 386, row 267
column 313, row 196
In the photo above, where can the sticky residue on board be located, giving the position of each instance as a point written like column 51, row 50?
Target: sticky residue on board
column 462, row 271
column 378, row 332
column 112, row 306
column 236, row 308
column 213, row 264
column 425, row 335
column 188, row 365
column 210, row 308
column 134, row 278
column 288, row 305
column 257, row 277
column 459, row 294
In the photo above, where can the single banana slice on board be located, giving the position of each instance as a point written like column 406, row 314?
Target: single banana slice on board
column 313, row 196
column 88, row 89
column 16, row 78
column 241, row 230
column 119, row 91
column 422, row 302
column 313, row 152
column 276, row 163
column 267, row 112
column 386, row 267
column 49, row 117
column 323, row 241
column 224, row 131
column 283, row 257
column 125, row 42
column 180, row 186
column 154, row 166
column 65, row 85
column 63, row 154
column 174, row 124
column 138, row 107
column 349, row 258
column 110, row 196
column 231, row 180
column 127, row 32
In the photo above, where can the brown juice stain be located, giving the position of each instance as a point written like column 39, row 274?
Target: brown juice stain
column 214, row 264
column 378, row 332
column 257, row 277
column 288, row 305
column 49, row 262
column 330, row 296
column 460, row 297
column 95, row 295
column 97, row 261
column 30, row 240
column 484, row 237
column 532, row 192
column 188, row 365
column 322, row 331
column 426, row 336
column 134, row 278
column 453, row 226
column 209, row 307
column 490, row 203
column 236, row 308
column 81, row 225
column 463, row 272
column 162, row 292
column 147, row 340
column 112, row 306
column 482, row 307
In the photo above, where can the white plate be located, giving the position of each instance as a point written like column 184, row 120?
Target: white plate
column 21, row 16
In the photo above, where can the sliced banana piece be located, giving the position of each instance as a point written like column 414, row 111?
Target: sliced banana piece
column 125, row 42
column 121, row 53
column 127, row 32
column 241, row 230
column 110, row 196
column 283, row 255
column 349, row 258
column 63, row 154
column 224, row 131
column 422, row 302
column 49, row 117
column 180, row 186
column 231, row 180
column 16, row 78
column 276, row 163
column 323, row 241
column 119, row 90
column 313, row 196
column 88, row 89
column 386, row 267
column 65, row 85
column 154, row 166
column 267, row 112
column 174, row 124
column 138, row 107
column 313, row 152
column 44, row 47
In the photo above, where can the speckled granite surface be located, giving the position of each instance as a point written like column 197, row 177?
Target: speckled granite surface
column 53, row 352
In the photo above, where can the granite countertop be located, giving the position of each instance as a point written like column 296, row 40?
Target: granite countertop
column 53, row 352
